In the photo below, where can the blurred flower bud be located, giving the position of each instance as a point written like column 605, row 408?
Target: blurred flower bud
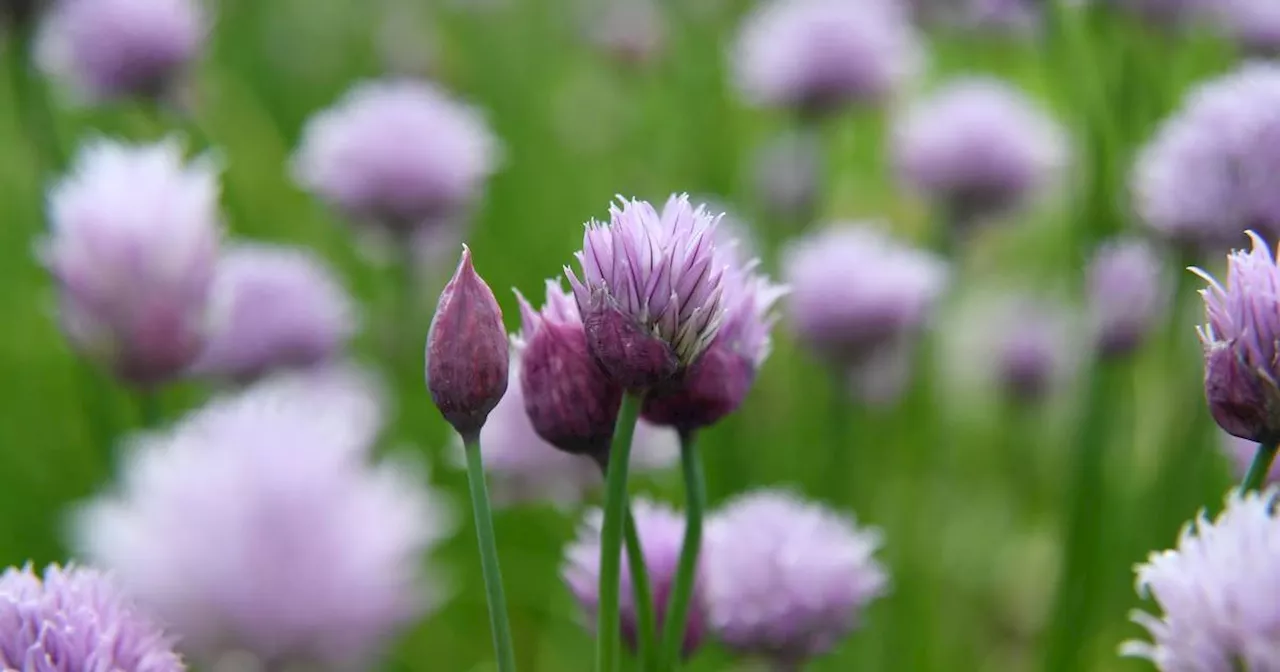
column 467, row 355
column 571, row 402
column 1128, row 295
column 786, row 176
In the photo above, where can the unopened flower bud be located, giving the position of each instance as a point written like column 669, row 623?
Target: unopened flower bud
column 467, row 355
column 571, row 402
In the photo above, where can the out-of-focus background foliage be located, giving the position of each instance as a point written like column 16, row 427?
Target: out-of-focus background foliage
column 973, row 493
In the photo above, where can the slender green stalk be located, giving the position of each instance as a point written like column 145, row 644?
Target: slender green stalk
column 677, row 612
column 642, row 594
column 1076, row 601
column 1257, row 474
column 498, row 622
column 608, row 620
column 33, row 106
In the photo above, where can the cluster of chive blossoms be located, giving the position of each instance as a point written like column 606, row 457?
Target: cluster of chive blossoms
column 779, row 578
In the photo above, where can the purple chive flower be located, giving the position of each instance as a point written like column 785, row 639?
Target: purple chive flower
column 400, row 154
column 110, row 49
column 570, row 400
column 76, row 619
column 786, row 579
column 1240, row 344
column 523, row 467
column 1128, row 294
column 717, row 384
column 1216, row 591
column 1207, row 175
column 467, row 358
column 661, row 532
column 132, row 245
column 855, row 290
column 1004, row 17
column 650, row 292
column 1253, row 24
column 261, row 524
column 281, row 307
column 1030, row 340
column 1241, row 453
column 978, row 147
column 820, row 55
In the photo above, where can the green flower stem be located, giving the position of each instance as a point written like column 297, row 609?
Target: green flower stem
column 642, row 594
column 682, row 591
column 498, row 622
column 608, row 619
column 1257, row 474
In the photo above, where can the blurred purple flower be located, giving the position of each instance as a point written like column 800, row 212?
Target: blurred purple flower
column 397, row 153
column 786, row 579
column 1005, row 17
column 1241, row 350
column 1207, row 175
column 258, row 524
column 978, row 147
column 661, row 532
column 786, row 175
column 819, row 55
column 855, row 290
column 718, row 383
column 132, row 245
column 76, row 619
column 1241, row 453
column 523, row 467
column 1216, row 591
column 1253, row 24
column 650, row 292
column 1128, row 294
column 1031, row 342
column 109, row 49
column 1164, row 13
column 277, row 307
column 631, row 31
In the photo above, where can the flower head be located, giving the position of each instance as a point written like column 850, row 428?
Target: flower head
column 467, row 356
column 260, row 524
column 570, row 401
column 978, row 147
column 1128, row 294
column 855, row 290
column 1215, row 591
column 132, row 245
column 717, row 384
column 787, row 579
column 1241, row 342
column 400, row 154
column 1207, row 175
column 819, row 55
column 75, row 619
column 1253, row 24
column 523, row 467
column 661, row 532
column 650, row 292
column 631, row 31
column 280, row 307
column 118, row 48
column 786, row 175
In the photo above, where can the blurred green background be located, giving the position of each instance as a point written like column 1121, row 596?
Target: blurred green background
column 975, row 495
